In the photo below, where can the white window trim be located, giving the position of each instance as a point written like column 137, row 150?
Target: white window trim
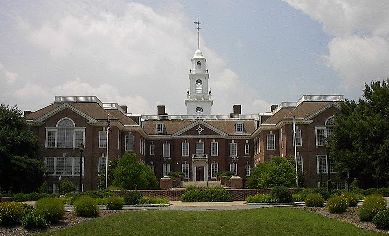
column 55, row 129
column 217, row 170
column 318, row 157
column 300, row 136
column 239, row 127
column 167, row 151
column 152, row 149
column 101, row 133
column 160, row 128
column 246, row 148
column 74, row 161
column 185, row 168
column 235, row 153
column 202, row 149
column 217, row 148
column 316, row 135
column 182, row 149
column 267, row 142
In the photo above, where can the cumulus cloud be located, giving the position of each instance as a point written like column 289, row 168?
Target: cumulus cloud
column 121, row 52
column 359, row 48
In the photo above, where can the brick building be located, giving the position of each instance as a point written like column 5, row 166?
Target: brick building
column 197, row 144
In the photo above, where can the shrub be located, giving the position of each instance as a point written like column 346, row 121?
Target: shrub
column 206, row 195
column 281, row 194
column 86, row 206
column 33, row 220
column 132, row 197
column 371, row 206
column 260, row 198
column 381, row 220
column 352, row 199
column 153, row 200
column 337, row 204
column 314, row 200
column 67, row 186
column 52, row 209
column 11, row 213
column 115, row 203
column 23, row 197
column 298, row 197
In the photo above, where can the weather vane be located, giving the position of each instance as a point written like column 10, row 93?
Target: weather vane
column 198, row 32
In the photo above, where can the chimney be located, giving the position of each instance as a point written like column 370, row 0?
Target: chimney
column 124, row 108
column 237, row 109
column 273, row 107
column 26, row 113
column 161, row 110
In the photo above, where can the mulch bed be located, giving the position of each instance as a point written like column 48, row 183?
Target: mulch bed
column 350, row 216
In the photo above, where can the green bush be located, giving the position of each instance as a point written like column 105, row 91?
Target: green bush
column 52, row 209
column 314, row 200
column 33, row 220
column 298, row 197
column 337, row 204
column 86, row 206
column 281, row 194
column 260, row 198
column 115, row 203
column 381, row 220
column 206, row 195
column 371, row 206
column 153, row 200
column 11, row 213
column 352, row 199
column 23, row 197
column 67, row 186
column 132, row 197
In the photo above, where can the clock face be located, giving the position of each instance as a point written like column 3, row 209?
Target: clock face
column 199, row 82
column 199, row 109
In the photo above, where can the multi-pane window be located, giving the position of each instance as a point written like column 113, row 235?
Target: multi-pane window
column 234, row 168
column 185, row 170
column 321, row 164
column 233, row 150
column 129, row 142
column 271, row 142
column 166, row 149
column 200, row 148
column 63, row 166
column 332, row 165
column 185, row 149
column 298, row 137
column 160, row 128
column 102, row 165
column 51, row 137
column 300, row 162
column 152, row 149
column 166, row 169
column 214, row 169
column 247, row 149
column 214, row 148
column 239, row 127
column 65, row 135
column 142, row 146
column 320, row 136
column 102, row 139
column 247, row 169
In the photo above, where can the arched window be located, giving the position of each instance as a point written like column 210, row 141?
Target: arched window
column 330, row 123
column 199, row 110
column 65, row 135
column 199, row 86
column 198, row 65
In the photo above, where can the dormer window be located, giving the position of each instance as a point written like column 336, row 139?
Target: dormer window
column 239, row 127
column 160, row 128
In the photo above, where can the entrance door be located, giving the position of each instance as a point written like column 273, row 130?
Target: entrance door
column 200, row 173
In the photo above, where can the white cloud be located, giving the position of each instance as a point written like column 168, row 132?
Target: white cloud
column 121, row 52
column 359, row 48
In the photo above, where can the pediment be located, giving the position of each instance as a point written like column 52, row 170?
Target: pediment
column 199, row 128
column 63, row 107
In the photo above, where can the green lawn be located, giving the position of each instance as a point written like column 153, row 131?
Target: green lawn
column 264, row 221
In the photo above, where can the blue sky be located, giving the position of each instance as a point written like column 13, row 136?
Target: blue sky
column 138, row 52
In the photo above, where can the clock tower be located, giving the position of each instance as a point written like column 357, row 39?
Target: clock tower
column 198, row 101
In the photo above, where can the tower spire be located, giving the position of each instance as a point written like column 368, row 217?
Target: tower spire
column 197, row 23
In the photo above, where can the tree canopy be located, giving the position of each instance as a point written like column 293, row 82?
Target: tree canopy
column 132, row 174
column 359, row 142
column 21, row 169
column 279, row 171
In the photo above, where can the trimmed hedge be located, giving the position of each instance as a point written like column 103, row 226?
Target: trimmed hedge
column 23, row 197
column 337, row 204
column 381, row 220
column 115, row 203
column 51, row 209
column 314, row 200
column 206, row 195
column 371, row 206
column 11, row 213
column 86, row 206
